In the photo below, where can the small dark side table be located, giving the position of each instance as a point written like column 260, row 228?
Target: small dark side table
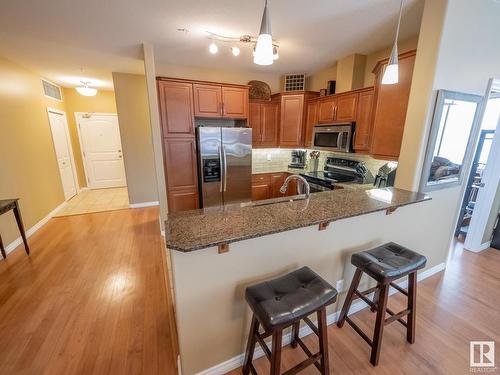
column 5, row 206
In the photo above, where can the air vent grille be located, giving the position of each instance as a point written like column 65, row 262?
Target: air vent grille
column 295, row 82
column 51, row 90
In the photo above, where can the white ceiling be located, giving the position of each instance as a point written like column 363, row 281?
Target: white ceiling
column 65, row 40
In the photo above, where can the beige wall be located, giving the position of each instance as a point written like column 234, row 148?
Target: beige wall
column 104, row 101
column 218, row 75
column 133, row 116
column 28, row 166
column 319, row 80
column 350, row 73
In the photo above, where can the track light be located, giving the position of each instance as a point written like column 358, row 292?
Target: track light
column 213, row 48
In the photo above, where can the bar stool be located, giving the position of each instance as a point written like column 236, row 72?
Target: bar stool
column 281, row 303
column 385, row 264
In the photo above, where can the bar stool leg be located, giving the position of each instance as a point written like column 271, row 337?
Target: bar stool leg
column 276, row 352
column 323, row 341
column 379, row 324
column 375, row 298
column 349, row 297
column 252, row 339
column 412, row 299
column 295, row 334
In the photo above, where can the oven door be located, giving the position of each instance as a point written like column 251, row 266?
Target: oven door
column 333, row 138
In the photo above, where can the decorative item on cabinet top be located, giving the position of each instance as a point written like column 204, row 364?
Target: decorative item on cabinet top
column 259, row 90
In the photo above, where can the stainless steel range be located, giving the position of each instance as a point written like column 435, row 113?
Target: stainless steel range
column 338, row 170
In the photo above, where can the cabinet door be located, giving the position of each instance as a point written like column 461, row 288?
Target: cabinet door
column 311, row 121
column 254, row 122
column 277, row 180
column 364, row 121
column 269, row 113
column 176, row 108
column 390, row 111
column 183, row 200
column 345, row 107
column 260, row 192
column 292, row 187
column 234, row 102
column 292, row 119
column 180, row 163
column 326, row 108
column 207, row 100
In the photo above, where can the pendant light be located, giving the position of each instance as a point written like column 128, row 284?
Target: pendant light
column 263, row 54
column 391, row 72
column 85, row 90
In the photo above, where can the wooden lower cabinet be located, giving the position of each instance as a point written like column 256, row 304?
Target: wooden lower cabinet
column 267, row 185
column 182, row 200
column 181, row 173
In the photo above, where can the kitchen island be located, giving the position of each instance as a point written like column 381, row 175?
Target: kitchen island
column 268, row 240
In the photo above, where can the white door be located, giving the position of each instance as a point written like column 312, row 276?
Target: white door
column 102, row 150
column 62, row 146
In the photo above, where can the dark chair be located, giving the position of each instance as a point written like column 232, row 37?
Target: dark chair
column 385, row 264
column 281, row 303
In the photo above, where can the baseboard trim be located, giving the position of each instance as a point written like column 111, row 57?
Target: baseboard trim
column 144, row 204
column 18, row 241
column 237, row 361
column 482, row 247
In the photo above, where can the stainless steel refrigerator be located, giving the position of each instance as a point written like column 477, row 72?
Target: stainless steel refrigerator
column 225, row 163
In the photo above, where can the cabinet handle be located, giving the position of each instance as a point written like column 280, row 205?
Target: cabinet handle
column 333, row 112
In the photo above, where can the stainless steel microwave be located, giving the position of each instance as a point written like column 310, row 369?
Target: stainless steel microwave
column 333, row 137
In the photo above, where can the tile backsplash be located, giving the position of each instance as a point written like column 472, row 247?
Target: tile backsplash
column 267, row 160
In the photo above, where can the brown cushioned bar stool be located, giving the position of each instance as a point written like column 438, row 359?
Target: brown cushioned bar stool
column 281, row 303
column 385, row 264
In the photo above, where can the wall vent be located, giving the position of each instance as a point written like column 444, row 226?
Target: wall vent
column 295, row 82
column 51, row 90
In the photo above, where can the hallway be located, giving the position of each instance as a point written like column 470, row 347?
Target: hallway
column 91, row 298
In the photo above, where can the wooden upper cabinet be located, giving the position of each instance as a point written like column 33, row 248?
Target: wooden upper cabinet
column 269, row 124
column 311, row 121
column 292, row 118
column 254, row 122
column 207, row 100
column 176, row 108
column 234, row 102
column 345, row 107
column 263, row 118
column 326, row 110
column 391, row 103
column 180, row 163
column 364, row 121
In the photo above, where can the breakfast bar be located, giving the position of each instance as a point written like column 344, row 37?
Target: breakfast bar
column 216, row 253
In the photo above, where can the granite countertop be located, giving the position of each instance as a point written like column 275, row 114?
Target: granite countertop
column 199, row 229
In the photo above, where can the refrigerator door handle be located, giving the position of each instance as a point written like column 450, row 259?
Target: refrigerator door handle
column 225, row 167
column 220, row 161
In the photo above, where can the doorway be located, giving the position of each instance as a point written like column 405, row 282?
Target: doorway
column 64, row 152
column 101, row 147
column 487, row 201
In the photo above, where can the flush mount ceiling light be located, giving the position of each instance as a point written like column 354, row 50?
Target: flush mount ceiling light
column 391, row 72
column 85, row 90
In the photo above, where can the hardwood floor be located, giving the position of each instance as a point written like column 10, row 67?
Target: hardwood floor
column 91, row 298
column 453, row 308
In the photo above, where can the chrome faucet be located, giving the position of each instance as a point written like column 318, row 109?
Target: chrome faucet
column 284, row 187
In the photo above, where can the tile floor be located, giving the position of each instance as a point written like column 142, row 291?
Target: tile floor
column 96, row 200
